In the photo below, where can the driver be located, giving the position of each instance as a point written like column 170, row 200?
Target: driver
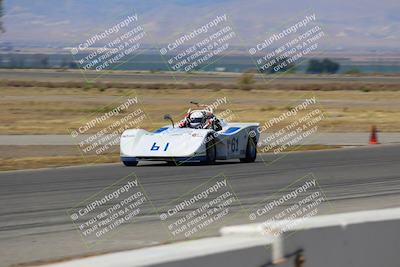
column 200, row 119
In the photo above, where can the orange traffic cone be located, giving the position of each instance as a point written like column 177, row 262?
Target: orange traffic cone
column 373, row 139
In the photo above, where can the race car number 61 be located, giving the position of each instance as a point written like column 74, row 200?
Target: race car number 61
column 155, row 147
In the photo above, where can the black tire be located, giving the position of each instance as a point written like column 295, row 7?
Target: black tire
column 251, row 151
column 211, row 151
column 130, row 163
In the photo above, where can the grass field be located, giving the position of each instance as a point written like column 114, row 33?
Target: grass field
column 58, row 110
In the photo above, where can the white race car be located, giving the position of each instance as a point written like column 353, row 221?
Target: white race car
column 176, row 144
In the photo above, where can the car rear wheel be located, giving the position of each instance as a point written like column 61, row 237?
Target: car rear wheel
column 211, row 151
column 251, row 151
column 130, row 163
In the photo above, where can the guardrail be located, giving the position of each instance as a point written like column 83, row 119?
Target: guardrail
column 365, row 238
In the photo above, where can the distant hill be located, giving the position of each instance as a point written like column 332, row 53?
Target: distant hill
column 348, row 23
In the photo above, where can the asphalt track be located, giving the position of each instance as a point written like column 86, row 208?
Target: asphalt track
column 34, row 224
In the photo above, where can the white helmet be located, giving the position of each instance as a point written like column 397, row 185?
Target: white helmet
column 196, row 119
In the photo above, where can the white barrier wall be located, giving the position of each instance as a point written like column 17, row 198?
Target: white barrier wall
column 367, row 239
column 229, row 250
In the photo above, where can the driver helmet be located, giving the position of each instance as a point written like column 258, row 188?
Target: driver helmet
column 196, row 119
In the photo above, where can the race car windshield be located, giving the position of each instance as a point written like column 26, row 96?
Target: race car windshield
column 196, row 120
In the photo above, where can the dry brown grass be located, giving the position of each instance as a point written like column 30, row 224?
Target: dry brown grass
column 244, row 83
column 59, row 161
column 42, row 109
column 14, row 157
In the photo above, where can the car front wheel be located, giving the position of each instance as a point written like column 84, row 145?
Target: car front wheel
column 211, row 151
column 251, row 151
column 130, row 163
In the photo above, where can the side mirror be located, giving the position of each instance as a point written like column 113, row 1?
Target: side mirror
column 169, row 117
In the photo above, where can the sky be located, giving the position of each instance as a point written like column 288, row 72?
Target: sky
column 348, row 23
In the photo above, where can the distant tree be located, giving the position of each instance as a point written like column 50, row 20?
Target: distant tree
column 324, row 66
column 315, row 66
column 330, row 66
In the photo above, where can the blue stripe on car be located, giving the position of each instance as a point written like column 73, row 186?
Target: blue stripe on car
column 160, row 130
column 231, row 130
